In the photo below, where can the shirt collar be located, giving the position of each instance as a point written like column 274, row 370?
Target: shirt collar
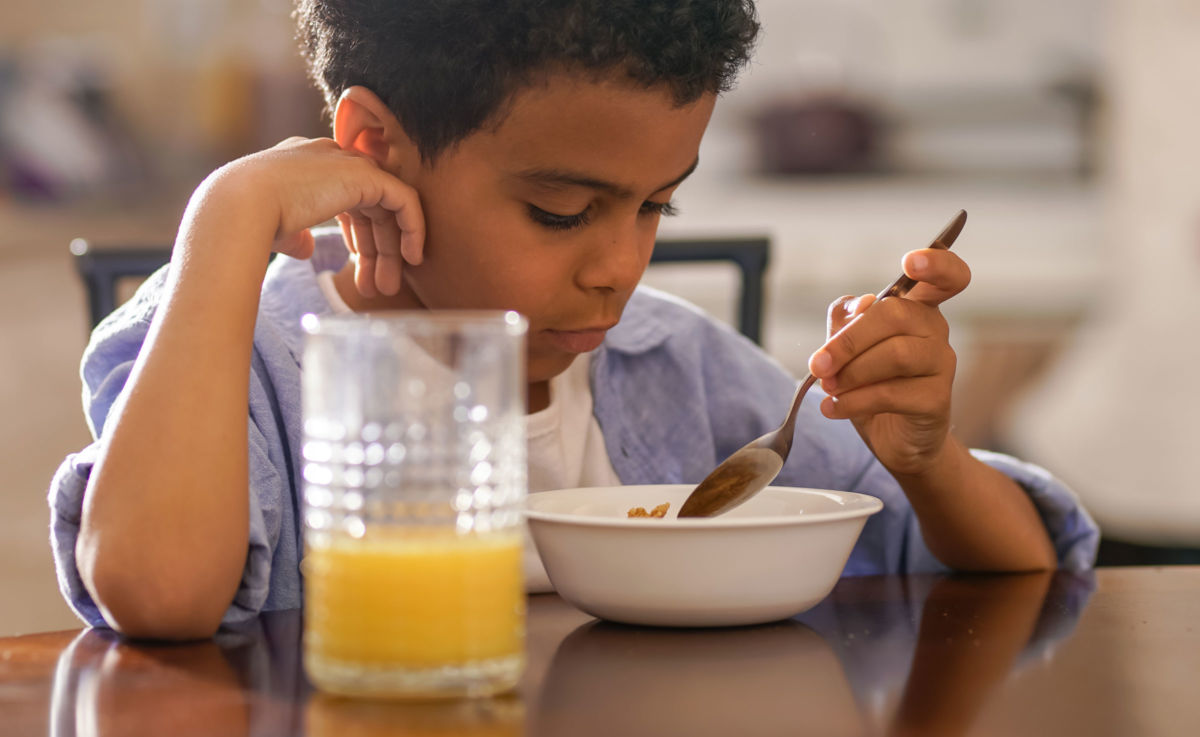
column 643, row 327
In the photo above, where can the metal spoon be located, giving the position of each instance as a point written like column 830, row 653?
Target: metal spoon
column 754, row 465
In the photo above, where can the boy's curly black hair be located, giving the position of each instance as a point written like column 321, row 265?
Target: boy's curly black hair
column 446, row 67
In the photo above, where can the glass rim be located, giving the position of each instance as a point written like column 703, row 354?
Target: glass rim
column 408, row 321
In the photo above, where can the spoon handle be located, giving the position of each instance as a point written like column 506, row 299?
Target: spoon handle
column 783, row 436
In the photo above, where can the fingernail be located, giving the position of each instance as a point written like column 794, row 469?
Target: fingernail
column 920, row 262
column 820, row 363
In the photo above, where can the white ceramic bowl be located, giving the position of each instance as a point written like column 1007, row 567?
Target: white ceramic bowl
column 771, row 558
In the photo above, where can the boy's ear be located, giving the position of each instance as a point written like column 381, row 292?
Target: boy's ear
column 363, row 123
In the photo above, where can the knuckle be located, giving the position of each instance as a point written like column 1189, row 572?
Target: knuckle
column 378, row 217
column 839, row 309
column 846, row 343
column 932, row 405
column 893, row 396
column 897, row 310
column 909, row 355
column 941, row 324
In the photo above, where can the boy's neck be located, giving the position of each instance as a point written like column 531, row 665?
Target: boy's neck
column 539, row 397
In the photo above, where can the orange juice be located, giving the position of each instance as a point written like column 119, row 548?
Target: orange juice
column 415, row 607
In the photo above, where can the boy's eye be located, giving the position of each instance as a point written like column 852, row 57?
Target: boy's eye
column 665, row 209
column 555, row 221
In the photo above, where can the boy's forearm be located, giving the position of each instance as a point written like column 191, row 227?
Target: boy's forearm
column 165, row 523
column 975, row 518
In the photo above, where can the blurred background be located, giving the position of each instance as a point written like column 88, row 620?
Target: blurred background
column 1066, row 130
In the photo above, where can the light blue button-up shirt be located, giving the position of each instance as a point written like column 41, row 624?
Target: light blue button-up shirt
column 674, row 393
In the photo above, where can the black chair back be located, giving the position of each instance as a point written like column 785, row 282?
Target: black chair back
column 102, row 270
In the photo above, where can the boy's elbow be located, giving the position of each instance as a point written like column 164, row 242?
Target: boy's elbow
column 141, row 605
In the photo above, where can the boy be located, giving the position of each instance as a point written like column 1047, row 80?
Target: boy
column 493, row 155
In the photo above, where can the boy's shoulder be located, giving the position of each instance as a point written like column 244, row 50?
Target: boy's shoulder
column 289, row 291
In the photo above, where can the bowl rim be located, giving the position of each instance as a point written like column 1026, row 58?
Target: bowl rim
column 870, row 505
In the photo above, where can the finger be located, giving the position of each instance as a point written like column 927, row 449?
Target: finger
column 844, row 309
column 885, row 319
column 911, row 397
column 902, row 356
column 343, row 220
column 940, row 275
column 386, row 235
column 364, row 245
column 404, row 203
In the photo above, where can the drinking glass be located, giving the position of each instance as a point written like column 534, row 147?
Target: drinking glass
column 414, row 477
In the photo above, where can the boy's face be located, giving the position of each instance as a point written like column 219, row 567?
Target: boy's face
column 553, row 211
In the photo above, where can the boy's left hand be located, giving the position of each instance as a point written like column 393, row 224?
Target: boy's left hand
column 890, row 369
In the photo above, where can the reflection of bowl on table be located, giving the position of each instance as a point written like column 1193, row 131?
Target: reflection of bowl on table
column 780, row 678
column 773, row 557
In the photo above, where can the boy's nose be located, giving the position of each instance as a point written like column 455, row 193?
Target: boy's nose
column 617, row 259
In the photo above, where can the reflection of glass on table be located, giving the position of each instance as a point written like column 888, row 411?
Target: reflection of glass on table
column 498, row 716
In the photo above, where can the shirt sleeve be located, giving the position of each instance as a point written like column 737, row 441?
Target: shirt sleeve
column 106, row 367
column 892, row 542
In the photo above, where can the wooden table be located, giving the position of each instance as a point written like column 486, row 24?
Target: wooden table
column 1111, row 653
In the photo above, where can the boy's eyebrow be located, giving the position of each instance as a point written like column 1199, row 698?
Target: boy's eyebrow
column 565, row 178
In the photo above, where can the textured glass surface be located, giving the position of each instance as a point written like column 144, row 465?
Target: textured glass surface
column 414, row 475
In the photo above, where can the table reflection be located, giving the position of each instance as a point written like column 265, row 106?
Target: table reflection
column 884, row 656
column 105, row 687
column 709, row 681
column 924, row 653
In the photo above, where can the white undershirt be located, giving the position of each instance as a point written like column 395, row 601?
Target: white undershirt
column 565, row 445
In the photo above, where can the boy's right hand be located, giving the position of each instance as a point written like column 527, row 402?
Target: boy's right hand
column 308, row 182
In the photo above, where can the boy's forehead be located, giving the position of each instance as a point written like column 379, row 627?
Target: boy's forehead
column 571, row 129
column 563, row 178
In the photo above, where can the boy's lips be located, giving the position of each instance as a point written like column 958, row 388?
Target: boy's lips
column 577, row 341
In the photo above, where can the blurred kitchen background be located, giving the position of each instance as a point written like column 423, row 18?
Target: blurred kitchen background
column 1066, row 129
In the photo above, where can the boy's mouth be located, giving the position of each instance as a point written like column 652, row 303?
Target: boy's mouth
column 576, row 341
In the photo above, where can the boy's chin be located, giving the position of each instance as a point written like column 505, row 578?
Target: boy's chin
column 545, row 368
